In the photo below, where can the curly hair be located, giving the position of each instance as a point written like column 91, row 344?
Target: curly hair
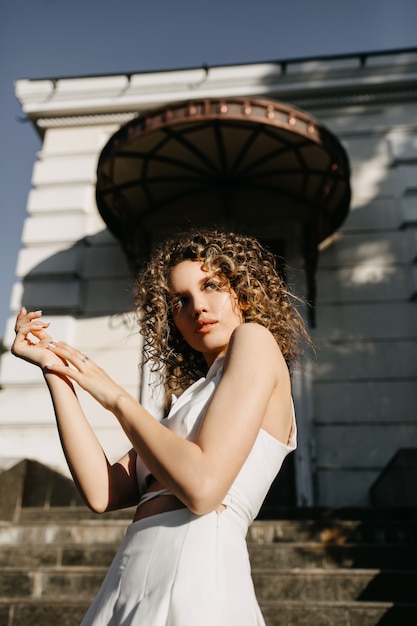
column 242, row 263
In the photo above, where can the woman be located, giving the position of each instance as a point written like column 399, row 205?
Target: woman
column 219, row 324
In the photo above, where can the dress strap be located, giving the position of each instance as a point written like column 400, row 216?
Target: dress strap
column 150, row 495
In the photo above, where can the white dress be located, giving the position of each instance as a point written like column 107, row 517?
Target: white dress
column 180, row 569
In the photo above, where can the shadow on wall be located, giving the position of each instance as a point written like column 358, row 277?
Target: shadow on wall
column 89, row 279
column 364, row 399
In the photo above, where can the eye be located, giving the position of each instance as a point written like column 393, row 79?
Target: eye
column 211, row 285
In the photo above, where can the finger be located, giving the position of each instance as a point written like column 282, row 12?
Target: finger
column 42, row 335
column 74, row 356
column 63, row 369
column 34, row 314
column 60, row 368
column 34, row 326
column 38, row 325
column 25, row 316
column 22, row 313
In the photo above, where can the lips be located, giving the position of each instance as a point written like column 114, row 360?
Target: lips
column 204, row 326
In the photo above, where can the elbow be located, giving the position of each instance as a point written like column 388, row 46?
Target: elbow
column 204, row 498
column 97, row 508
column 201, row 508
column 96, row 505
column 197, row 506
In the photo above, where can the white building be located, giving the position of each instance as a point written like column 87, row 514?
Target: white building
column 356, row 399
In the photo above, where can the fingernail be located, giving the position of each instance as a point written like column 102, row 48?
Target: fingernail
column 51, row 345
column 39, row 311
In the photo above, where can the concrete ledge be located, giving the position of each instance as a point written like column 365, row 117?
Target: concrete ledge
column 30, row 483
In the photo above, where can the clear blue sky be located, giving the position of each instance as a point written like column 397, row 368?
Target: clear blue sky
column 58, row 38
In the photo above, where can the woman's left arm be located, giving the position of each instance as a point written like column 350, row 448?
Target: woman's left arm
column 200, row 473
column 254, row 393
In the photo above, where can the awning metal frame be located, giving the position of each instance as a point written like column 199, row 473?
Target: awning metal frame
column 227, row 160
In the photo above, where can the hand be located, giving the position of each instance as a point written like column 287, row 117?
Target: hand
column 32, row 339
column 75, row 365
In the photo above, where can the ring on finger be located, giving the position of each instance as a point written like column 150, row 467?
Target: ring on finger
column 84, row 359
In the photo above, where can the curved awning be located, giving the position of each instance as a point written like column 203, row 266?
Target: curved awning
column 223, row 161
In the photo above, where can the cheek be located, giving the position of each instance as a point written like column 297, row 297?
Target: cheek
column 179, row 324
column 231, row 307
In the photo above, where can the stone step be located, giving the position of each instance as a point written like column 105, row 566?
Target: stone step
column 310, row 555
column 314, row 613
column 111, row 529
column 313, row 567
column 40, row 612
column 57, row 555
column 82, row 531
column 69, row 514
column 53, row 612
column 341, row 585
column 265, row 556
column 368, row 525
column 334, row 531
column 270, row 585
column 51, row 582
column 366, row 516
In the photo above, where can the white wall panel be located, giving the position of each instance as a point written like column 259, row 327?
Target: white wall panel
column 62, row 198
column 337, row 487
column 48, row 260
column 377, row 248
column 65, row 170
column 77, row 141
column 356, row 360
column 403, row 145
column 365, row 282
column 368, row 446
column 407, row 174
column 379, row 214
column 105, row 261
column 360, row 402
column 408, row 210
column 64, row 295
column 119, row 330
column 112, row 294
column 16, row 371
column 392, row 320
column 53, row 229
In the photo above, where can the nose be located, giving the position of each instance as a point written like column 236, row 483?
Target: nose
column 198, row 305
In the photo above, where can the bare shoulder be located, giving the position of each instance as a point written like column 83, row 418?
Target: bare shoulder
column 254, row 346
column 256, row 368
column 256, row 338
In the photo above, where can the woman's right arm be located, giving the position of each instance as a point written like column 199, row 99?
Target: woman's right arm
column 103, row 486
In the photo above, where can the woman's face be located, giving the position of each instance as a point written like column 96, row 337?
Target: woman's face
column 205, row 311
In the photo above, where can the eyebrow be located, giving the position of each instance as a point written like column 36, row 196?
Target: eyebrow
column 200, row 282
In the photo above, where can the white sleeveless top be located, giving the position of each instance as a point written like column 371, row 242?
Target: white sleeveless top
column 263, row 463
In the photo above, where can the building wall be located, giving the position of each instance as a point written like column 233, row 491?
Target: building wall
column 358, row 398
column 73, row 269
column 365, row 392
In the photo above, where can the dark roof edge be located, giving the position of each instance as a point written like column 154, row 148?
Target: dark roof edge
column 283, row 62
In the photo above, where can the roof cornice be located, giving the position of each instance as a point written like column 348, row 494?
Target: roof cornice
column 339, row 79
